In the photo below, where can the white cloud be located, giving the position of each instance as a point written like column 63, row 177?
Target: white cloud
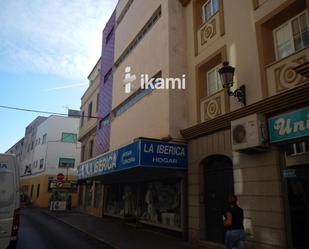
column 59, row 36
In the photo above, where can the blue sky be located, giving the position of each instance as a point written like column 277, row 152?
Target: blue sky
column 47, row 50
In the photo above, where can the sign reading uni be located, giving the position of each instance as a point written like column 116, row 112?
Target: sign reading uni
column 141, row 153
column 289, row 125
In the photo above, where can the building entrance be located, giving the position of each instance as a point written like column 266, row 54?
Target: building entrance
column 219, row 183
column 296, row 177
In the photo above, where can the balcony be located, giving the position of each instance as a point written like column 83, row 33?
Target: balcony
column 214, row 105
column 208, row 32
column 281, row 75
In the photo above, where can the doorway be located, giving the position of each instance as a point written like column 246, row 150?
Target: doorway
column 219, row 183
column 296, row 182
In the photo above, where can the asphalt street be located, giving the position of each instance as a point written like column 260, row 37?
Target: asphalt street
column 40, row 231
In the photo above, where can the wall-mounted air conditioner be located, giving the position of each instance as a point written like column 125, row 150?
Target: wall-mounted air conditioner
column 249, row 133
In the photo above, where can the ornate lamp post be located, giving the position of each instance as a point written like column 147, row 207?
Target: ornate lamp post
column 227, row 79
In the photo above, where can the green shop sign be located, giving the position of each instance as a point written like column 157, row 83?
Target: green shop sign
column 289, row 125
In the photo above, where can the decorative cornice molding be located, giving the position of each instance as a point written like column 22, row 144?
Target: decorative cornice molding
column 277, row 103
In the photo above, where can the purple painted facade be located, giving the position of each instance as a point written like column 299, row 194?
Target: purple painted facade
column 106, row 88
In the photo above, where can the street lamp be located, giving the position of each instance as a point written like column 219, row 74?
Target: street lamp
column 227, row 79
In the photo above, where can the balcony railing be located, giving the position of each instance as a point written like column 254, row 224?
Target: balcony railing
column 214, row 105
column 281, row 75
column 208, row 32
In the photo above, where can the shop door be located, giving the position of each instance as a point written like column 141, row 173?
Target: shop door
column 219, row 183
column 296, row 175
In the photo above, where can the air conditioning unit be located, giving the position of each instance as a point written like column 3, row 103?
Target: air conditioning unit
column 249, row 133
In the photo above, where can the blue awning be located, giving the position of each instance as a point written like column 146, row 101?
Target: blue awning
column 141, row 153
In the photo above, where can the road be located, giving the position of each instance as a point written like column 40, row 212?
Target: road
column 39, row 231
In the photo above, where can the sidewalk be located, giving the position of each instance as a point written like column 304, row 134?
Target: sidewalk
column 118, row 234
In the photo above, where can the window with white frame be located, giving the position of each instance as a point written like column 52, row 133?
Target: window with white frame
column 209, row 9
column 291, row 36
column 213, row 81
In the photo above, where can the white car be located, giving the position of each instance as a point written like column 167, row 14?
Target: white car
column 9, row 201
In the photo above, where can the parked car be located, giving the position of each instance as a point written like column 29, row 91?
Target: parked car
column 9, row 201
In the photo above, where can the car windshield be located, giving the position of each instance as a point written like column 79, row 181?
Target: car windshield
column 6, row 189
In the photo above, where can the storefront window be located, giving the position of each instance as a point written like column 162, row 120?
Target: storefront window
column 161, row 203
column 80, row 195
column 88, row 195
column 114, row 200
column 156, row 203
column 98, row 195
column 296, row 178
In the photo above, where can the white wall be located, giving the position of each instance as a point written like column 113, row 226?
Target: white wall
column 54, row 149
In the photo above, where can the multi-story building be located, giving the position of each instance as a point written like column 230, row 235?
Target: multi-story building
column 247, row 132
column 29, row 144
column 88, row 126
column 266, row 41
column 89, row 114
column 143, row 165
column 17, row 149
column 49, row 148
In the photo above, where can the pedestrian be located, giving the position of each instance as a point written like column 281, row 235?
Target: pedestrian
column 233, row 222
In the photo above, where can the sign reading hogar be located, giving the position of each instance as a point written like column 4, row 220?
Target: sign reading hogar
column 289, row 125
column 148, row 153
column 162, row 154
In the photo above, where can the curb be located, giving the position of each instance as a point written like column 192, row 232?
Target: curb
column 81, row 230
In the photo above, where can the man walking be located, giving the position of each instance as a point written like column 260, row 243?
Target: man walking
column 233, row 221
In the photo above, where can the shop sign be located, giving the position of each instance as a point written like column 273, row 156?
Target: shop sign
column 70, row 186
column 141, row 153
column 123, row 158
column 289, row 125
column 162, row 154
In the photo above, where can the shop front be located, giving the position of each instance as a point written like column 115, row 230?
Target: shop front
column 143, row 182
column 290, row 133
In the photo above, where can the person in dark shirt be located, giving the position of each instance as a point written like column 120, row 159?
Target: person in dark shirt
column 233, row 222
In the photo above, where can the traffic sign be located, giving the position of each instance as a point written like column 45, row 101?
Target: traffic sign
column 60, row 177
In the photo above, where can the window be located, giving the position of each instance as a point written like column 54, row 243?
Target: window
column 82, row 119
column 209, row 9
column 109, row 36
column 91, row 149
column 151, row 22
column 41, row 163
column 88, row 195
column 98, row 195
column 32, row 144
column 213, row 81
column 38, row 191
column 134, row 98
column 66, row 162
column 104, row 122
column 69, row 137
column 31, row 191
column 108, row 75
column 98, row 101
column 83, row 153
column 44, row 139
column 291, row 36
column 89, row 110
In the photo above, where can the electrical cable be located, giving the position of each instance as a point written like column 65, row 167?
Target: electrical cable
column 45, row 112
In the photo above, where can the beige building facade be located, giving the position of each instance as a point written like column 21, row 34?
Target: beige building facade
column 89, row 113
column 149, row 40
column 267, row 44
